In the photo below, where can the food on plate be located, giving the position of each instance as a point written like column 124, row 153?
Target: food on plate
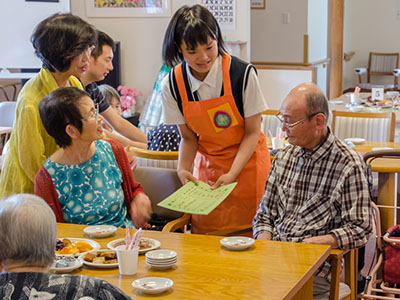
column 65, row 246
column 101, row 257
column 143, row 244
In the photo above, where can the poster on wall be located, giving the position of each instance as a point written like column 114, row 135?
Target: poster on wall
column 224, row 11
column 128, row 8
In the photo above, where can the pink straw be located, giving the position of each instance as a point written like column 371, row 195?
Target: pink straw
column 127, row 237
column 270, row 133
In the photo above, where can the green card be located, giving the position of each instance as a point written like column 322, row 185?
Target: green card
column 197, row 199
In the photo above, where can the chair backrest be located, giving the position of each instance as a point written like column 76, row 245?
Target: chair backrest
column 382, row 64
column 269, row 121
column 378, row 127
column 158, row 159
column 7, row 113
column 158, row 184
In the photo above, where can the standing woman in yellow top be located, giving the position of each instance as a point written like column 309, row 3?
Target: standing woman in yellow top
column 63, row 43
column 217, row 102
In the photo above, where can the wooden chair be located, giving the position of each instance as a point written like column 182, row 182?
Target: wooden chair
column 180, row 223
column 158, row 159
column 269, row 121
column 377, row 127
column 379, row 64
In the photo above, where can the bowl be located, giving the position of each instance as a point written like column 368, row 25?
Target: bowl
column 237, row 242
column 152, row 285
column 100, row 231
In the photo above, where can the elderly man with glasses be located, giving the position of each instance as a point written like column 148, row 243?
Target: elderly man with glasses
column 317, row 190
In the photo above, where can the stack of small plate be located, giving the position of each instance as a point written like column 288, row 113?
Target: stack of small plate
column 161, row 259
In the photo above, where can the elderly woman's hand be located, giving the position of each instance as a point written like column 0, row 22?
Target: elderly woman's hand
column 140, row 210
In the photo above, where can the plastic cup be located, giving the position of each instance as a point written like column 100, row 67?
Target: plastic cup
column 127, row 260
column 354, row 98
column 278, row 143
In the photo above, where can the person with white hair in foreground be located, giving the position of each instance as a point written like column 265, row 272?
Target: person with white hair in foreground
column 28, row 234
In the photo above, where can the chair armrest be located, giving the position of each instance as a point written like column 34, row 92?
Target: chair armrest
column 233, row 231
column 360, row 71
column 396, row 72
column 351, row 270
column 176, row 224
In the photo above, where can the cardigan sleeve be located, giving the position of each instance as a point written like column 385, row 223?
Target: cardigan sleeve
column 130, row 187
column 44, row 188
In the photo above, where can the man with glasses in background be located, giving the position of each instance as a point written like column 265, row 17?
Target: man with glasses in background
column 317, row 190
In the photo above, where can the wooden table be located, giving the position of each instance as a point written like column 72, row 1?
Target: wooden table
column 206, row 270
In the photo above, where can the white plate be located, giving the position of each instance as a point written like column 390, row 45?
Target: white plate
column 237, row 242
column 336, row 102
column 74, row 263
column 94, row 244
column 100, row 231
column 381, row 148
column 356, row 108
column 162, row 262
column 355, row 141
column 152, row 285
column 155, row 244
column 161, row 255
column 157, row 267
column 100, row 266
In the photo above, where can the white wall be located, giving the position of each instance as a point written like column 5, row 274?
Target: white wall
column 369, row 26
column 141, row 41
column 317, row 28
column 273, row 41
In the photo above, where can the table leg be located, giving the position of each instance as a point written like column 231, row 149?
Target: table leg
column 306, row 291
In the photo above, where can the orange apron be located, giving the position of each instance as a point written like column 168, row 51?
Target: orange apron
column 220, row 129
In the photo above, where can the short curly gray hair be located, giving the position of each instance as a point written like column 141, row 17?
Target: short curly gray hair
column 28, row 231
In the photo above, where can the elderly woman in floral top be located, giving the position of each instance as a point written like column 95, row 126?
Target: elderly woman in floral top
column 88, row 180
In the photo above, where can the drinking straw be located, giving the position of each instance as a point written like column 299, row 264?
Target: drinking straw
column 270, row 133
column 127, row 237
column 134, row 243
column 139, row 234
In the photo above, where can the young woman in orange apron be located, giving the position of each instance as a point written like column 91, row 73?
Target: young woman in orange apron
column 223, row 145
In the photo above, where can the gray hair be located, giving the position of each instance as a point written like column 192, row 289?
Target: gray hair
column 109, row 92
column 28, row 231
column 317, row 102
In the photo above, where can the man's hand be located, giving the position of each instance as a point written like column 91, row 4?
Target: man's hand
column 140, row 210
column 328, row 239
column 264, row 236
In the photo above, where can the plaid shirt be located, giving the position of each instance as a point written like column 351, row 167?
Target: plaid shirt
column 318, row 192
column 97, row 96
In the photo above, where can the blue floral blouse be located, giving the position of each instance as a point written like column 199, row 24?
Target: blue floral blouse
column 91, row 193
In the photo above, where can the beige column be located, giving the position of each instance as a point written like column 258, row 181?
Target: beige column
column 335, row 48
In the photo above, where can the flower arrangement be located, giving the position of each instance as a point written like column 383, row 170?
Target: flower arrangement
column 128, row 97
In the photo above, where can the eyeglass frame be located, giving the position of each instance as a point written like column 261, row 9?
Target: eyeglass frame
column 96, row 113
column 291, row 125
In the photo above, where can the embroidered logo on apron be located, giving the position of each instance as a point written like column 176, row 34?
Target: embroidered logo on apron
column 222, row 117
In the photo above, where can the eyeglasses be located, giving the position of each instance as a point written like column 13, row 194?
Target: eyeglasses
column 94, row 112
column 291, row 125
